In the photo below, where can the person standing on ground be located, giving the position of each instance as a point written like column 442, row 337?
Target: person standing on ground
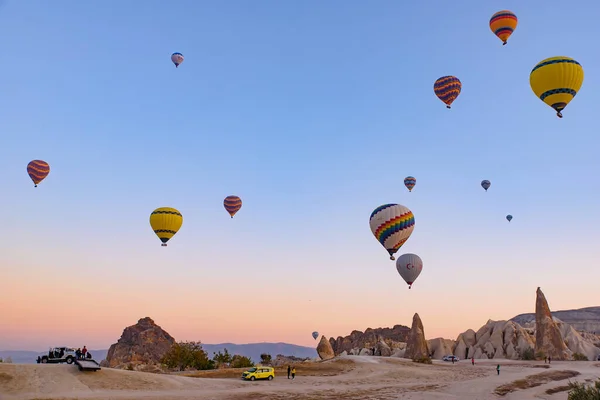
column 545, row 359
column 453, row 359
column 473, row 360
column 498, row 369
column 549, row 360
column 78, row 353
column 83, row 351
column 293, row 373
column 289, row 371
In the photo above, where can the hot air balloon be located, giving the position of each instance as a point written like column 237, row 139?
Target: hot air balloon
column 447, row 89
column 165, row 221
column 556, row 81
column 232, row 204
column 409, row 267
column 410, row 183
column 392, row 225
column 177, row 59
column 315, row 335
column 38, row 170
column 509, row 217
column 503, row 24
column 486, row 184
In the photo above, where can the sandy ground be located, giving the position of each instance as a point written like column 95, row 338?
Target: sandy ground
column 349, row 377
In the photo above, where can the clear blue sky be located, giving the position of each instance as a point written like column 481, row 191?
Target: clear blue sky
column 313, row 113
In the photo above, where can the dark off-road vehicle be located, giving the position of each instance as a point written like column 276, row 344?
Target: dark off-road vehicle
column 58, row 355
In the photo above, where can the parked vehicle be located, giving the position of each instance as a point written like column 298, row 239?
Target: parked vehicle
column 450, row 358
column 58, row 355
column 259, row 373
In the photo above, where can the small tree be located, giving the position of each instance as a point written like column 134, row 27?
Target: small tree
column 580, row 357
column 238, row 361
column 1, row 359
column 580, row 391
column 185, row 355
column 528, row 354
column 265, row 358
column 222, row 360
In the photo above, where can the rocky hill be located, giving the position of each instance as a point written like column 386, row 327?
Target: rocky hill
column 583, row 319
column 370, row 339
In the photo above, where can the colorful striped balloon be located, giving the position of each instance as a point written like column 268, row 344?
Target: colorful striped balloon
column 447, row 89
column 503, row 24
column 38, row 170
column 232, row 204
column 410, row 183
column 392, row 225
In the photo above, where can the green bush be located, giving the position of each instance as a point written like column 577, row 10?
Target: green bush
column 580, row 357
column 185, row 355
column 222, row 360
column 540, row 355
column 528, row 354
column 580, row 391
column 238, row 361
column 422, row 360
column 265, row 358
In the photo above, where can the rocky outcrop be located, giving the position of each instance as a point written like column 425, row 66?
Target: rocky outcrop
column 369, row 339
column 140, row 347
column 416, row 345
column 439, row 347
column 576, row 343
column 281, row 360
column 496, row 339
column 382, row 349
column 548, row 338
column 583, row 319
column 324, row 349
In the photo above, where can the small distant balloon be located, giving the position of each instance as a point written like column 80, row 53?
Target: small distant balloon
column 410, row 183
column 486, row 184
column 392, row 225
column 509, row 217
column 177, row 59
column 503, row 24
column 409, row 267
column 232, row 204
column 315, row 335
column 447, row 89
column 38, row 170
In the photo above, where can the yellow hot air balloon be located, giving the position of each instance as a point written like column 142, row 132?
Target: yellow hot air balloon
column 165, row 221
column 556, row 81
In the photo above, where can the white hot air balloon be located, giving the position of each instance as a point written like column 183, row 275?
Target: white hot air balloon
column 409, row 267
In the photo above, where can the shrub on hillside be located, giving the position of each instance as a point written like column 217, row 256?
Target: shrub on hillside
column 265, row 358
column 238, row 361
column 540, row 355
column 422, row 360
column 580, row 391
column 184, row 355
column 222, row 359
column 528, row 354
column 580, row 357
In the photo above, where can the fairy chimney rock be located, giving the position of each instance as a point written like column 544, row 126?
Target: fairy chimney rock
column 416, row 346
column 324, row 349
column 548, row 339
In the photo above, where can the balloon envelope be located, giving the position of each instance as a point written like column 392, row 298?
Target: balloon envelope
column 409, row 267
column 38, row 170
column 509, row 217
column 232, row 204
column 503, row 24
column 177, row 59
column 315, row 335
column 410, row 182
column 447, row 89
column 392, row 225
column 486, row 184
column 165, row 222
column 556, row 81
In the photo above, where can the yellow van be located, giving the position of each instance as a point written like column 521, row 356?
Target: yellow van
column 259, row 373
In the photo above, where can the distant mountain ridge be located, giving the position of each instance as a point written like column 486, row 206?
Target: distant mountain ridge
column 252, row 350
column 585, row 319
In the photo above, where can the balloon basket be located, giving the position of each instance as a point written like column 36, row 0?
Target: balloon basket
column 164, row 245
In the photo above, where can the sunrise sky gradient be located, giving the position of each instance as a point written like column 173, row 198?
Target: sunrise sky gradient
column 313, row 113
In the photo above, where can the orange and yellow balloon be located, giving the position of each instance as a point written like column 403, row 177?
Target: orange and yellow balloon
column 232, row 204
column 503, row 24
column 38, row 170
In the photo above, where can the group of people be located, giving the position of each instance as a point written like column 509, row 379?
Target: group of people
column 291, row 371
column 82, row 353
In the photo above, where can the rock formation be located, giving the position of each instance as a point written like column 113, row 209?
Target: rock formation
column 357, row 340
column 576, row 343
column 548, row 338
column 324, row 349
column 382, row 349
column 583, row 319
column 281, row 360
column 140, row 347
column 416, row 345
column 496, row 339
column 439, row 347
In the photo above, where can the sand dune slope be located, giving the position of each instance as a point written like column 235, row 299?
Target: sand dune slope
column 356, row 378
